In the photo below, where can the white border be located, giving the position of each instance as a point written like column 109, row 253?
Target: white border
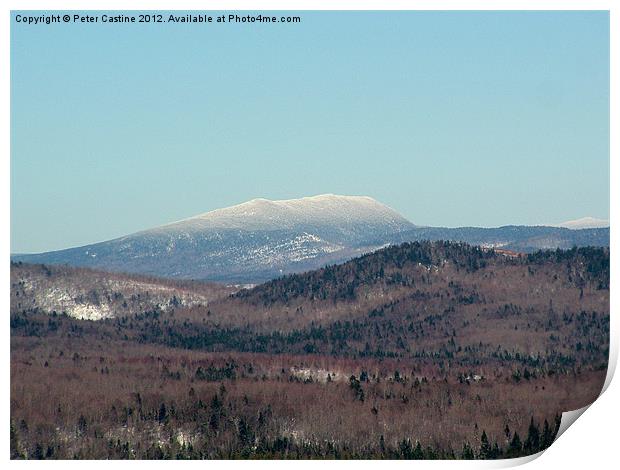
column 591, row 443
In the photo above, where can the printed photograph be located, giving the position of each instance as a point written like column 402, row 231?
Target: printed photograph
column 306, row 234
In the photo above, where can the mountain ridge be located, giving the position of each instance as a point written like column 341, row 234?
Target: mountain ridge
column 584, row 222
column 262, row 239
column 258, row 213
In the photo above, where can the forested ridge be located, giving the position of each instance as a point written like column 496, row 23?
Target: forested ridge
column 379, row 350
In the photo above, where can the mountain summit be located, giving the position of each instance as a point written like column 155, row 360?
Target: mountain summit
column 291, row 214
column 584, row 222
column 263, row 239
column 257, row 240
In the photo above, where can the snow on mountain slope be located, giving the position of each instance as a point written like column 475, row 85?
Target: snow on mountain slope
column 262, row 239
column 253, row 241
column 584, row 222
column 264, row 214
column 94, row 295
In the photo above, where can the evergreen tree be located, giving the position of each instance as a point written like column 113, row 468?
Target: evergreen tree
column 163, row 413
column 15, row 450
column 467, row 452
column 547, row 436
column 82, row 425
column 406, row 449
column 245, row 433
column 430, row 454
column 485, row 447
column 532, row 443
column 382, row 444
column 515, row 448
column 38, row 452
column 496, row 452
column 418, row 454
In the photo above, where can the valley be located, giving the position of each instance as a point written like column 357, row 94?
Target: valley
column 419, row 350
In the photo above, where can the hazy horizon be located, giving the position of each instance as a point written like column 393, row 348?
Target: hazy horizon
column 558, row 224
column 450, row 118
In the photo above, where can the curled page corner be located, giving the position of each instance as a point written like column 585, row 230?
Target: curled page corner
column 611, row 363
column 569, row 417
column 509, row 463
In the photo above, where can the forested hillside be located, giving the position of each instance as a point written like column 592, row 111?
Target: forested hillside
column 423, row 350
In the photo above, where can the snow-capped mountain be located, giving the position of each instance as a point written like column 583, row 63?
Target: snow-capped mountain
column 256, row 240
column 584, row 222
column 262, row 239
column 350, row 215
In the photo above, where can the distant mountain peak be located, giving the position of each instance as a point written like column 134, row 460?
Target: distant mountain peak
column 322, row 209
column 584, row 222
column 262, row 239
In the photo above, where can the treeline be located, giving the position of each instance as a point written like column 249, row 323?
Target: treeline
column 341, row 281
column 586, row 335
column 595, row 260
column 84, row 395
column 425, row 350
column 231, row 423
column 245, row 442
column 398, row 265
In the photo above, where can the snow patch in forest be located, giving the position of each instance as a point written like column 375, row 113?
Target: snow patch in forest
column 101, row 298
column 317, row 375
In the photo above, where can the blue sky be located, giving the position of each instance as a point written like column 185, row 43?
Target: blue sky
column 451, row 118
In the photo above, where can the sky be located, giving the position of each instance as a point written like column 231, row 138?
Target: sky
column 451, row 118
